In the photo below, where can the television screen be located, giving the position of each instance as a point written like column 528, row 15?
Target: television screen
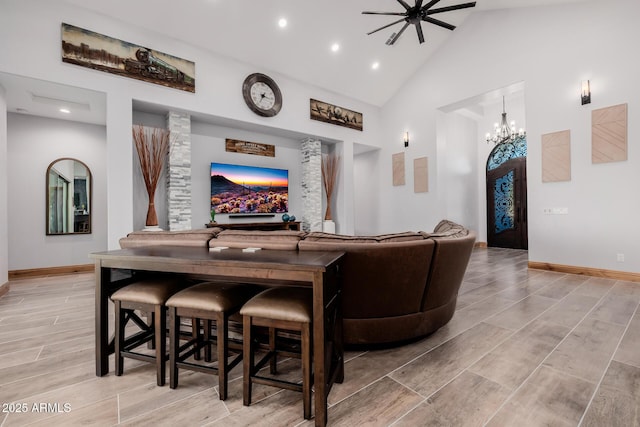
column 237, row 189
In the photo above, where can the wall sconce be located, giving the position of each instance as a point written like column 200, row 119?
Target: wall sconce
column 406, row 139
column 585, row 92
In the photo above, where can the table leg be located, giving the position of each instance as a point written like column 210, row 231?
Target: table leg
column 319, row 356
column 103, row 278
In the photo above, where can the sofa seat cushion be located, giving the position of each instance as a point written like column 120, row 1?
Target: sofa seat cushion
column 194, row 238
column 272, row 239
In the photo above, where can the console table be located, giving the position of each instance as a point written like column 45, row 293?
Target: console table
column 320, row 270
column 273, row 225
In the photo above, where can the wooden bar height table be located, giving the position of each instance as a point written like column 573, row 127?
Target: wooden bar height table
column 320, row 270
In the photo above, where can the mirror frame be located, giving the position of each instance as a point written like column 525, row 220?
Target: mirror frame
column 89, row 199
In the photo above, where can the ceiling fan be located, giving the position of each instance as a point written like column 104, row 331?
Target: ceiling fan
column 415, row 15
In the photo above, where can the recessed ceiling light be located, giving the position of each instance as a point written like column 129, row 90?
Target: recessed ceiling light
column 375, row 65
column 65, row 110
column 282, row 23
column 335, row 47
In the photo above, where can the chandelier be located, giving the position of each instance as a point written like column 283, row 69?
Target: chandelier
column 504, row 131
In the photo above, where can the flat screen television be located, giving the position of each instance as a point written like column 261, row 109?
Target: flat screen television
column 238, row 189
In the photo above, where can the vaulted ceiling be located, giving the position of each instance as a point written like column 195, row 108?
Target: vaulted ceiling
column 248, row 31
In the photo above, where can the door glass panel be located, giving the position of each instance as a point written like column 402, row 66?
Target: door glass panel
column 507, row 151
column 504, row 197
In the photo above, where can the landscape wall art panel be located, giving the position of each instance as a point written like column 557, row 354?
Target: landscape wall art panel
column 609, row 134
column 329, row 113
column 556, row 156
column 397, row 166
column 421, row 175
column 99, row 52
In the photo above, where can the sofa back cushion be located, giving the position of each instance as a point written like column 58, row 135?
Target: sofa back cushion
column 450, row 260
column 196, row 238
column 273, row 239
column 380, row 279
column 381, row 238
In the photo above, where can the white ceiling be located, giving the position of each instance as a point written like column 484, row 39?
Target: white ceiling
column 248, row 31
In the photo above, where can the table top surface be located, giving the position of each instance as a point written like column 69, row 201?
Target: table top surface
column 262, row 258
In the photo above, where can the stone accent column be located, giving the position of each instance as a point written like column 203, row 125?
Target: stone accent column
column 179, row 171
column 311, row 185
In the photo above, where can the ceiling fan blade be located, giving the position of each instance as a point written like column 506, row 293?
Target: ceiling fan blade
column 429, row 5
column 419, row 30
column 385, row 13
column 386, row 26
column 404, row 4
column 450, row 8
column 418, row 4
column 439, row 23
column 397, row 36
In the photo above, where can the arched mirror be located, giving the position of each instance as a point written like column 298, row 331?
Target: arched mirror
column 68, row 197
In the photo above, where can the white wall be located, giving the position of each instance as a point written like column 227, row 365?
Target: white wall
column 208, row 145
column 4, row 228
column 457, row 170
column 366, row 199
column 550, row 49
column 218, row 94
column 218, row 89
column 33, row 143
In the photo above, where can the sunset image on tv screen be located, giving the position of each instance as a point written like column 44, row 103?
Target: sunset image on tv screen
column 237, row 189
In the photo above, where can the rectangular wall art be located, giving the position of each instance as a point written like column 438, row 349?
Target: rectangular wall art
column 247, row 147
column 99, row 52
column 556, row 156
column 397, row 166
column 609, row 134
column 335, row 115
column 421, row 175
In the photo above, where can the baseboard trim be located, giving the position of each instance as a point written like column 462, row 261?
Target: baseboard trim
column 50, row 271
column 586, row 271
column 481, row 245
column 4, row 288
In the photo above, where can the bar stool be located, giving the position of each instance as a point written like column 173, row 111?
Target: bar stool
column 148, row 296
column 205, row 301
column 281, row 308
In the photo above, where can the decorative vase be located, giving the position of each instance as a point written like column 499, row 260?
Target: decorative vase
column 285, row 217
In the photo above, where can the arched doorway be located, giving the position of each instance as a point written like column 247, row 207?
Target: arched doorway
column 507, row 195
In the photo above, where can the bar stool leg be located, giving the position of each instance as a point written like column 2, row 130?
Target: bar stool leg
column 223, row 353
column 119, row 339
column 273, row 362
column 247, row 360
column 306, row 369
column 174, row 345
column 207, row 339
column 161, row 344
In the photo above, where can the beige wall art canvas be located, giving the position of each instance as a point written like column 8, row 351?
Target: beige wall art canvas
column 556, row 156
column 421, row 175
column 397, row 167
column 609, row 134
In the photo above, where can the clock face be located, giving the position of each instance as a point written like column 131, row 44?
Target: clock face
column 262, row 95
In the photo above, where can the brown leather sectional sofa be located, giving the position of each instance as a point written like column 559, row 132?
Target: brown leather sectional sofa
column 396, row 287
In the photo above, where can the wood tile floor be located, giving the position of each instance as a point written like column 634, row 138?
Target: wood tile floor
column 525, row 348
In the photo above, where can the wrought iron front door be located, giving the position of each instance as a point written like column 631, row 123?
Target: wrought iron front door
column 507, row 205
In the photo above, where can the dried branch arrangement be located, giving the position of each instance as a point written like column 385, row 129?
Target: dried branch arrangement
column 329, row 166
column 152, row 145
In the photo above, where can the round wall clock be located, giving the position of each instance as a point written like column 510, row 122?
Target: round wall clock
column 262, row 95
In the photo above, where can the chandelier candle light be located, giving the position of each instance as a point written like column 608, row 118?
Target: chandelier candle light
column 504, row 131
